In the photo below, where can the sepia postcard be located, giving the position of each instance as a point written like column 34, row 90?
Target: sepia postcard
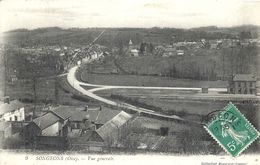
column 130, row 81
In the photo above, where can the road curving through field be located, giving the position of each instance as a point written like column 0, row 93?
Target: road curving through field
column 76, row 84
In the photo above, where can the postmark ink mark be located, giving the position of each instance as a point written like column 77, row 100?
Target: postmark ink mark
column 232, row 130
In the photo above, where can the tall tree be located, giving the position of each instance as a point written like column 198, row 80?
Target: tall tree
column 142, row 48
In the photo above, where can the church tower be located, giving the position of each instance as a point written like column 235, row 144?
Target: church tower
column 130, row 45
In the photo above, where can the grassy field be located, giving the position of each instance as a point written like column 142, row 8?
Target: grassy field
column 189, row 108
column 202, row 108
column 147, row 93
column 137, row 80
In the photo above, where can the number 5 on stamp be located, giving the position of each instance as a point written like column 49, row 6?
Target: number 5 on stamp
column 232, row 130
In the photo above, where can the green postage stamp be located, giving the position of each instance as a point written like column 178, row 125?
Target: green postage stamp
column 232, row 130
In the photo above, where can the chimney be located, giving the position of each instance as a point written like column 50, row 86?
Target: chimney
column 7, row 100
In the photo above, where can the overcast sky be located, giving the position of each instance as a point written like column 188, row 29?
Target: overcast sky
column 127, row 13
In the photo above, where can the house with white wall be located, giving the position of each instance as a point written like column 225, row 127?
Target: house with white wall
column 12, row 111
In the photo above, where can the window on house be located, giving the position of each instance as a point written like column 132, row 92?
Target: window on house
column 10, row 119
column 15, row 118
column 251, row 84
column 239, row 84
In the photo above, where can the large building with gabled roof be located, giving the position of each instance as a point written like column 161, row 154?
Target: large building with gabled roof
column 242, row 84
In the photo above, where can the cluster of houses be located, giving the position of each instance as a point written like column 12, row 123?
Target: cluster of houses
column 86, row 53
column 180, row 48
column 66, row 126
column 78, row 128
column 57, row 57
column 96, row 128
column 63, row 126
column 35, row 54
column 92, row 53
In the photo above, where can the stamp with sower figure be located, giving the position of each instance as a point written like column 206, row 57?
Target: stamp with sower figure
column 232, row 130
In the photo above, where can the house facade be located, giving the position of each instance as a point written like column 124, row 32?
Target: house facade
column 242, row 84
column 134, row 53
column 53, row 130
column 45, row 125
column 12, row 111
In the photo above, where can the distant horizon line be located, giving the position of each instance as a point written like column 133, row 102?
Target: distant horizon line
column 131, row 27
